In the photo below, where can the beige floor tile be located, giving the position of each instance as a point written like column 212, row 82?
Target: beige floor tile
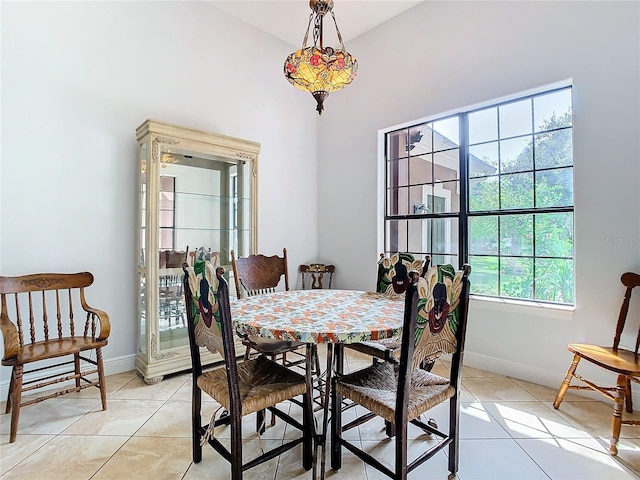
column 594, row 418
column 496, row 389
column 51, row 416
column 173, row 419
column 214, row 467
column 531, row 420
column 434, row 468
column 13, row 453
column 67, row 457
column 137, row 389
column 352, row 468
column 290, row 465
column 569, row 459
column 546, row 394
column 471, row 372
column 148, row 457
column 123, row 417
column 498, row 459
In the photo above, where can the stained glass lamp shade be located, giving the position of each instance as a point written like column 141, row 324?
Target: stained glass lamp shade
column 317, row 69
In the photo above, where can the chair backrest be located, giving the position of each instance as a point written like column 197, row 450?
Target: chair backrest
column 393, row 272
column 316, row 271
column 209, row 323
column 53, row 305
column 442, row 312
column 173, row 258
column 201, row 301
column 259, row 274
column 630, row 280
column 202, row 253
column 435, row 322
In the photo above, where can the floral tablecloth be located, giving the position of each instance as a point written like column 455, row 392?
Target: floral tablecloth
column 319, row 316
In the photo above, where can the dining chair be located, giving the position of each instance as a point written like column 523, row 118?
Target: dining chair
column 393, row 280
column 433, row 325
column 259, row 275
column 621, row 361
column 170, row 293
column 251, row 386
column 50, row 333
column 313, row 274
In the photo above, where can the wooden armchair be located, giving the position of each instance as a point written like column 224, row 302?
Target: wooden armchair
column 625, row 363
column 60, row 324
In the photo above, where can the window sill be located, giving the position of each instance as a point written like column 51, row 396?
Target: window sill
column 522, row 307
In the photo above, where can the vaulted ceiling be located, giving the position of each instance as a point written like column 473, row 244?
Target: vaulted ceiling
column 288, row 19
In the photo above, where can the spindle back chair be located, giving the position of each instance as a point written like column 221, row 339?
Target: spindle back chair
column 45, row 316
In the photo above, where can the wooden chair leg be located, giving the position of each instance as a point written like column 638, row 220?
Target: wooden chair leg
column 629, row 397
column 101, row 378
column 11, row 385
column 196, row 423
column 454, row 433
column 336, row 428
column 260, row 423
column 565, row 383
column 616, row 422
column 236, row 446
column 76, row 366
column 389, row 429
column 16, row 398
column 308, row 428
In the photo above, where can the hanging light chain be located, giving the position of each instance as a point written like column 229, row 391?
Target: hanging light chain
column 338, row 31
column 306, row 35
column 317, row 30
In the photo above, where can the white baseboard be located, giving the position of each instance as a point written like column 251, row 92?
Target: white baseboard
column 111, row 367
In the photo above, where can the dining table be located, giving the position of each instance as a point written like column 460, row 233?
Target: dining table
column 323, row 316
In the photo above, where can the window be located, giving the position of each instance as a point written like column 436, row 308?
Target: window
column 167, row 212
column 493, row 187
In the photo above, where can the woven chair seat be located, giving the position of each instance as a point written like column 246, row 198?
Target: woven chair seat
column 263, row 383
column 375, row 389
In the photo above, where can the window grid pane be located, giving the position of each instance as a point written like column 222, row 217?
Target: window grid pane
column 518, row 214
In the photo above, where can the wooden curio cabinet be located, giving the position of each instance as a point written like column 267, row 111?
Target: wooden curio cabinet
column 197, row 195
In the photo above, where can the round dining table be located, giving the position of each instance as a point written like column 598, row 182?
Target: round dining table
column 319, row 316
column 334, row 317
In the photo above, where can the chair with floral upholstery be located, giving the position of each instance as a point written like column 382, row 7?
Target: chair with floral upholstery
column 393, row 280
column 435, row 322
column 251, row 386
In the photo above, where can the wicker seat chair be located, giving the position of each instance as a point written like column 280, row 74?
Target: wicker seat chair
column 252, row 386
column 393, row 279
column 620, row 361
column 399, row 393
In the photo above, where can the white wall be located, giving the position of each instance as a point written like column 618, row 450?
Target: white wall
column 79, row 77
column 441, row 56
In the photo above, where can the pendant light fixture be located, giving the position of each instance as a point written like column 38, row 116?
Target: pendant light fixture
column 320, row 70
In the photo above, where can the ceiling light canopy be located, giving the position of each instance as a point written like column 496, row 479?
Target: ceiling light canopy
column 320, row 70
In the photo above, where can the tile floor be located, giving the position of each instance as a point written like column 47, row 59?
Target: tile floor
column 508, row 430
